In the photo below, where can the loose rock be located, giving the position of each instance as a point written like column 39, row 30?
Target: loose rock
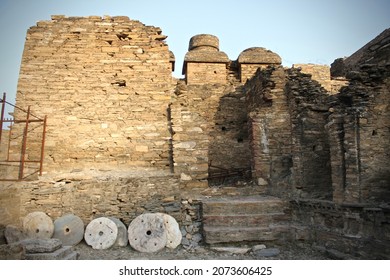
column 13, row 234
column 270, row 252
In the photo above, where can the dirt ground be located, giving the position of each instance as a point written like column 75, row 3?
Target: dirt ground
column 288, row 251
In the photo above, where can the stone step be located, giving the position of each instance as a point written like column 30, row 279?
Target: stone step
column 60, row 254
column 221, row 234
column 247, row 220
column 243, row 206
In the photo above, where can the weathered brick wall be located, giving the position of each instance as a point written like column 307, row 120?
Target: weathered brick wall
column 348, row 231
column 209, row 127
column 375, row 52
column 89, row 197
column 319, row 73
column 290, row 150
column 270, row 130
column 10, row 203
column 201, row 73
column 251, row 59
column 248, row 70
column 105, row 85
column 359, row 130
column 310, row 147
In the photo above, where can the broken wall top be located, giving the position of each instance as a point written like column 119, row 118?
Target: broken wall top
column 377, row 51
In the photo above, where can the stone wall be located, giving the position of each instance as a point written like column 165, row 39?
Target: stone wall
column 359, row 137
column 270, row 130
column 91, row 196
column 310, row 148
column 346, row 231
column 209, row 132
column 375, row 52
column 105, row 85
column 254, row 58
column 209, row 118
column 319, row 73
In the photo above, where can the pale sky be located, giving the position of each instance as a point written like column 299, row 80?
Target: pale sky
column 300, row 31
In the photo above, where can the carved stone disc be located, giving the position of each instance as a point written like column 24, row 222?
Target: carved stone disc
column 38, row 225
column 122, row 239
column 69, row 229
column 147, row 233
column 173, row 231
column 101, row 233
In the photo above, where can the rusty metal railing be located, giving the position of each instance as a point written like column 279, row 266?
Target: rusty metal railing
column 23, row 125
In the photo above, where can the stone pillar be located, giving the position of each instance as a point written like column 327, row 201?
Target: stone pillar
column 204, row 63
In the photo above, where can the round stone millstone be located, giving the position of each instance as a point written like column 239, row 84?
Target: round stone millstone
column 38, row 225
column 147, row 233
column 101, row 233
column 173, row 231
column 122, row 239
column 69, row 229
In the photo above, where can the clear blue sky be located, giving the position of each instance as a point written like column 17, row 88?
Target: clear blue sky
column 300, row 31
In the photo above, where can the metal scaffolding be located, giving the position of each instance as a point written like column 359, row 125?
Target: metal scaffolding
column 8, row 162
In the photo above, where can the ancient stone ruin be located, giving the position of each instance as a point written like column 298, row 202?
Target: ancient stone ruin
column 238, row 151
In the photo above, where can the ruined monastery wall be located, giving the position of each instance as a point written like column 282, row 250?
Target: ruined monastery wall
column 105, row 85
column 125, row 138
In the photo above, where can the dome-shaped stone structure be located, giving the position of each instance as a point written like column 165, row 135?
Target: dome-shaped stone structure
column 259, row 55
column 204, row 41
column 204, row 63
column 252, row 59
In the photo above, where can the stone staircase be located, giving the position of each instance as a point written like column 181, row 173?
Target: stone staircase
column 248, row 218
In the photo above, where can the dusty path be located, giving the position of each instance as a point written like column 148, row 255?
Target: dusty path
column 288, row 251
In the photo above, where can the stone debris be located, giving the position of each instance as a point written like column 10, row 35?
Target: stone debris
column 63, row 253
column 268, row 252
column 13, row 251
column 258, row 247
column 35, row 246
column 13, row 234
column 232, row 250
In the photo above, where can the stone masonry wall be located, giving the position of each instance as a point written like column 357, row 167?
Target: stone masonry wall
column 346, row 231
column 198, row 73
column 105, row 85
column 209, row 128
column 290, row 152
column 270, row 130
column 124, row 197
column 359, row 137
column 310, row 148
